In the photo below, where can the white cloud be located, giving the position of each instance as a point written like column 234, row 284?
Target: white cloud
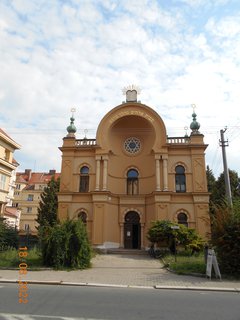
column 205, row 3
column 228, row 27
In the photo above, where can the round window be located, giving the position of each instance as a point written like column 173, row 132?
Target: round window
column 132, row 145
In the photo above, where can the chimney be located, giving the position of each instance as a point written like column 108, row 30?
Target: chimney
column 28, row 172
column 52, row 172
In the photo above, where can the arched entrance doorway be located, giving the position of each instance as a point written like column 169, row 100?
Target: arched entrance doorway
column 132, row 231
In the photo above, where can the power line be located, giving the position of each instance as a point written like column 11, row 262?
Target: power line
column 38, row 130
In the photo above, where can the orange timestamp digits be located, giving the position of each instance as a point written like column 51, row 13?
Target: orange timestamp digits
column 22, row 285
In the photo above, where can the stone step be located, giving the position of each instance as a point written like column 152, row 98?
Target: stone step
column 127, row 251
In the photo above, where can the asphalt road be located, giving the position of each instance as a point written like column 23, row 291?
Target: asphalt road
column 56, row 302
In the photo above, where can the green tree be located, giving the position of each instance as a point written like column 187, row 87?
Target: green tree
column 226, row 237
column 221, row 189
column 234, row 181
column 225, row 221
column 211, row 180
column 62, row 244
column 66, row 245
column 218, row 190
column 48, row 205
column 211, row 185
column 161, row 232
column 8, row 236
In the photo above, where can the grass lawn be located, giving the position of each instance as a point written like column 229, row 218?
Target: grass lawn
column 185, row 264
column 11, row 259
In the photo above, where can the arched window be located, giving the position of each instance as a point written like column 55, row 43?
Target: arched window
column 84, row 179
column 132, row 182
column 83, row 216
column 180, row 179
column 182, row 219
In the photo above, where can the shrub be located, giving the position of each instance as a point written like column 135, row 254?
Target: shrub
column 9, row 258
column 226, row 237
column 8, row 236
column 161, row 233
column 188, row 238
column 65, row 245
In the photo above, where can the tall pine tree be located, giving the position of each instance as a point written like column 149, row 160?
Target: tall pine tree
column 210, row 179
column 48, row 205
column 217, row 186
column 221, row 188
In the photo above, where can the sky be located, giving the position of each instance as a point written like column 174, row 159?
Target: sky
column 62, row 54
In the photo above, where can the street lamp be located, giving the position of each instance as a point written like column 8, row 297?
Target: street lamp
column 174, row 239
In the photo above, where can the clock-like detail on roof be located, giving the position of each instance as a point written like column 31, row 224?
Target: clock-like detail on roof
column 132, row 145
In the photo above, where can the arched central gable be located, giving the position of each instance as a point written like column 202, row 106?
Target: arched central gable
column 132, row 113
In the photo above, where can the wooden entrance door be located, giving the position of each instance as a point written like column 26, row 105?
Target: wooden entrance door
column 132, row 231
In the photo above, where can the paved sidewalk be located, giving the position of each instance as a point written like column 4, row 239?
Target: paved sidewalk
column 123, row 270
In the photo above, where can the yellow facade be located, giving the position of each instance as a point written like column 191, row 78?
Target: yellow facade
column 131, row 175
column 7, row 167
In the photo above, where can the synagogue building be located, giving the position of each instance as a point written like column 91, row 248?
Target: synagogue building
column 133, row 173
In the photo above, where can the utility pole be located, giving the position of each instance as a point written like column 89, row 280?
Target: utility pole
column 224, row 144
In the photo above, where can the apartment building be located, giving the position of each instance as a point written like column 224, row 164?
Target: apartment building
column 29, row 186
column 8, row 168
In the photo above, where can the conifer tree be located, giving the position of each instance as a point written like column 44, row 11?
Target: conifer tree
column 48, row 205
column 211, row 184
column 8, row 235
column 217, row 188
column 211, row 181
column 66, row 245
column 221, row 189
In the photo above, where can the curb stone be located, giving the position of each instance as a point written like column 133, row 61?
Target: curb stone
column 161, row 287
column 198, row 288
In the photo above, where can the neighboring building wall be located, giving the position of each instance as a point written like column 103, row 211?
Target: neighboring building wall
column 7, row 166
column 131, row 175
column 12, row 217
column 29, row 186
column 12, row 185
